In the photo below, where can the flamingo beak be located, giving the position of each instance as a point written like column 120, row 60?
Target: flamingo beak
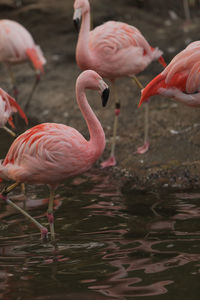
column 77, row 18
column 105, row 96
column 104, row 89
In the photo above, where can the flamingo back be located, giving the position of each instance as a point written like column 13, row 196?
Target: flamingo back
column 120, row 49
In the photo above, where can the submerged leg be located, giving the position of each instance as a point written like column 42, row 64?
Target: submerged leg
column 35, row 84
column 145, row 147
column 111, row 160
column 50, row 214
column 43, row 230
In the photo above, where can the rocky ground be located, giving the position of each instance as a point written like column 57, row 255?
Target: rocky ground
column 173, row 159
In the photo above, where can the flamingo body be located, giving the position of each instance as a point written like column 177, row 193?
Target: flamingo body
column 17, row 45
column 8, row 106
column 180, row 80
column 49, row 153
column 113, row 49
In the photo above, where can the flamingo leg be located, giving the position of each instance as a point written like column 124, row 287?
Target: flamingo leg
column 186, row 11
column 43, row 230
column 12, row 81
column 111, row 161
column 145, row 147
column 12, row 133
column 35, row 84
column 50, row 214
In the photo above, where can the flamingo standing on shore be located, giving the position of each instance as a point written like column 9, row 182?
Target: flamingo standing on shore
column 50, row 153
column 114, row 50
column 18, row 46
column 8, row 106
column 180, row 80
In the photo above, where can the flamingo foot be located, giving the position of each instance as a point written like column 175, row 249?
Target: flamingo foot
column 44, row 234
column 109, row 162
column 143, row 149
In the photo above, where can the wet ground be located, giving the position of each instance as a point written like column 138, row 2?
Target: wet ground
column 173, row 158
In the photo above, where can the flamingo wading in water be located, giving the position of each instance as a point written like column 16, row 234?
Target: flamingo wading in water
column 49, row 153
column 114, row 50
column 180, row 80
column 8, row 106
column 17, row 46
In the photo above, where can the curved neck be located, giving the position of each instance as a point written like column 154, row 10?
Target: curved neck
column 83, row 54
column 97, row 136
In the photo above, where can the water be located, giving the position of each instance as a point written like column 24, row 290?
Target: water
column 111, row 243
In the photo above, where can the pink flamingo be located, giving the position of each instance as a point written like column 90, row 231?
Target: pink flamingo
column 8, row 106
column 180, row 80
column 49, row 153
column 114, row 50
column 18, row 46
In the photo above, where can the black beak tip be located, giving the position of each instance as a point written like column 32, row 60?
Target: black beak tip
column 105, row 96
column 77, row 24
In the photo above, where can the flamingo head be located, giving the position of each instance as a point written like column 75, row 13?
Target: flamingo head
column 90, row 79
column 152, row 88
column 81, row 7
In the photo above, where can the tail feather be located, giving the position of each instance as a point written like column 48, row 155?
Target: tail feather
column 35, row 59
column 178, row 81
column 157, row 53
column 152, row 88
column 10, row 121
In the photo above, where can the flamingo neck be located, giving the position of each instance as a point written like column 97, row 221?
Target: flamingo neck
column 83, row 53
column 97, row 136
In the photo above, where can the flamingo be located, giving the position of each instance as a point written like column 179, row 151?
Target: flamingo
column 18, row 46
column 180, row 80
column 49, row 153
column 114, row 50
column 8, row 106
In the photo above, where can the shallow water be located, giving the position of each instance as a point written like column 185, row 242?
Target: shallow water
column 110, row 244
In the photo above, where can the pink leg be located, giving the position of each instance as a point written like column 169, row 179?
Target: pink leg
column 50, row 215
column 143, row 149
column 43, row 230
column 111, row 161
column 35, row 84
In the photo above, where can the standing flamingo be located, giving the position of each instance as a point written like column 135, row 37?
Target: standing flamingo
column 114, row 50
column 49, row 153
column 8, row 106
column 180, row 80
column 18, row 46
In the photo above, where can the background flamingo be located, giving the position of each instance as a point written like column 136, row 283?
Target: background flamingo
column 180, row 80
column 114, row 49
column 8, row 106
column 18, row 46
column 49, row 153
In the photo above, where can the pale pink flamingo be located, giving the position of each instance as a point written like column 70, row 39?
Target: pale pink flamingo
column 180, row 80
column 8, row 106
column 18, row 46
column 50, row 153
column 114, row 50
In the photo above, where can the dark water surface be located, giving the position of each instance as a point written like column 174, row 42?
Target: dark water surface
column 111, row 244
